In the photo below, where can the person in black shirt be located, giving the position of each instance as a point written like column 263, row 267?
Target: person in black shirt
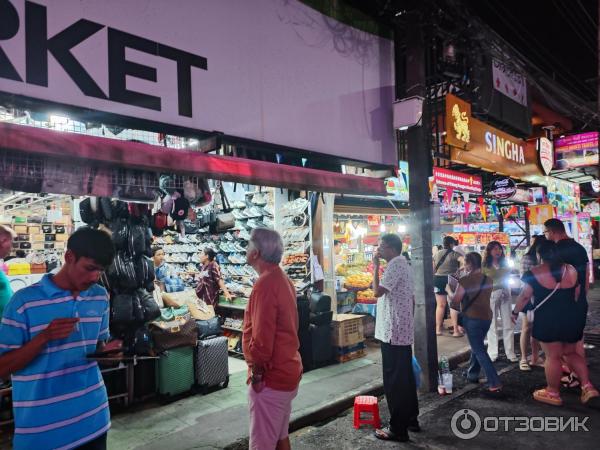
column 571, row 252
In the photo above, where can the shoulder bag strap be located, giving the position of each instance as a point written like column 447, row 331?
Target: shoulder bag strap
column 467, row 306
column 441, row 261
column 553, row 291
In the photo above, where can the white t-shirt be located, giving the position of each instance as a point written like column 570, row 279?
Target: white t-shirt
column 394, row 323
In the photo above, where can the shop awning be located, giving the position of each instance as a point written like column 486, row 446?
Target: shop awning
column 135, row 155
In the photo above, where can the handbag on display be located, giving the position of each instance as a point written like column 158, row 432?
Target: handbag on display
column 224, row 220
column 174, row 328
column 208, row 328
column 188, row 299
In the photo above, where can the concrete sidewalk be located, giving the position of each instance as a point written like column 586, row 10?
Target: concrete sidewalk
column 220, row 419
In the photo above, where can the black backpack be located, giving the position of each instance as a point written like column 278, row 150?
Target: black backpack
column 180, row 208
column 144, row 270
column 122, row 309
column 122, row 272
column 149, row 305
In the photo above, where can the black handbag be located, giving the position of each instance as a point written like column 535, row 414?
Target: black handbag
column 208, row 328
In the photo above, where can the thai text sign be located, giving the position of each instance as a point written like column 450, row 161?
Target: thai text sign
column 462, row 182
column 577, row 150
column 478, row 144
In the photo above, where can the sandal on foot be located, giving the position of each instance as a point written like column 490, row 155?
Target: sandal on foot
column 524, row 366
column 548, row 397
column 385, row 434
column 588, row 392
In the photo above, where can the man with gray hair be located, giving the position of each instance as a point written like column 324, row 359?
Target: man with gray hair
column 270, row 343
column 6, row 239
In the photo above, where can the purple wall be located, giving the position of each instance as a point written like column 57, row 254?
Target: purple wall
column 278, row 71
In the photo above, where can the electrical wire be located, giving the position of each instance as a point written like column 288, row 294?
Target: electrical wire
column 592, row 22
column 574, row 82
column 572, row 22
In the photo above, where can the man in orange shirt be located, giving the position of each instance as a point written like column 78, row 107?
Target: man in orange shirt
column 271, row 344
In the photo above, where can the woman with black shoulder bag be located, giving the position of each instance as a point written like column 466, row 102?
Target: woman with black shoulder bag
column 472, row 298
column 558, row 322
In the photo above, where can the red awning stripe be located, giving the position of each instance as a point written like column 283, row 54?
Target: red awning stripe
column 150, row 157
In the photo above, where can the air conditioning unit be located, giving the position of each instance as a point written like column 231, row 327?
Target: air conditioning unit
column 407, row 112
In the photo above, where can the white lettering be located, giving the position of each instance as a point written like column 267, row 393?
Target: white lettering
column 499, row 146
column 515, row 152
column 536, row 420
column 490, row 424
column 521, row 155
column 488, row 141
column 567, row 424
column 525, row 423
column 582, row 424
column 552, row 424
column 506, row 420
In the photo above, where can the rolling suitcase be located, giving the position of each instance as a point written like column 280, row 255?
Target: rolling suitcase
column 212, row 363
column 175, row 372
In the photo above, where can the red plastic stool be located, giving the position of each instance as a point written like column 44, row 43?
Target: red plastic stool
column 368, row 404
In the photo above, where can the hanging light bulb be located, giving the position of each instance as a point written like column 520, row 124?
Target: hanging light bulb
column 382, row 227
column 401, row 228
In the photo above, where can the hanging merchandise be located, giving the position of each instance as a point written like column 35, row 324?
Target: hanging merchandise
column 466, row 196
column 494, row 207
column 482, row 208
column 181, row 206
column 511, row 212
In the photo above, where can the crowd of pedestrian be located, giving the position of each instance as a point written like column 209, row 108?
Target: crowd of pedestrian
column 552, row 306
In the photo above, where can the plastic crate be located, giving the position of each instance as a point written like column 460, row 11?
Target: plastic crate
column 346, row 350
column 347, row 330
column 350, row 356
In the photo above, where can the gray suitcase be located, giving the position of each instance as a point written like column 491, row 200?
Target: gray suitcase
column 212, row 363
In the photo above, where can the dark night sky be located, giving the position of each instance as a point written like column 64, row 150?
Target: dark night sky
column 556, row 35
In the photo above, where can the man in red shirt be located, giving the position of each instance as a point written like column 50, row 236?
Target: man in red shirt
column 270, row 343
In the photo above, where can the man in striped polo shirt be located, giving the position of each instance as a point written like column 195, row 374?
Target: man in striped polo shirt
column 48, row 328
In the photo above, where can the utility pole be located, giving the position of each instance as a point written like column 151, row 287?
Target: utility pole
column 420, row 169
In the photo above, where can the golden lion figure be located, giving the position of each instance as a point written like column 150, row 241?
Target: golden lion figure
column 461, row 124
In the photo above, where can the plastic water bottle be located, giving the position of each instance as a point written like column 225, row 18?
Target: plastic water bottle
column 444, row 365
column 446, row 376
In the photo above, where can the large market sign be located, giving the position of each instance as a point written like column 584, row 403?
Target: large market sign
column 265, row 70
column 478, row 144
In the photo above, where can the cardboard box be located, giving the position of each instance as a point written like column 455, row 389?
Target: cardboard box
column 62, row 237
column 21, row 229
column 35, row 229
column 39, row 237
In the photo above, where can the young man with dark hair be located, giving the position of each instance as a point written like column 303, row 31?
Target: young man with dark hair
column 395, row 329
column 48, row 328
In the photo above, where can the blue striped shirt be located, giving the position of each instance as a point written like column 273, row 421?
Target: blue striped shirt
column 59, row 399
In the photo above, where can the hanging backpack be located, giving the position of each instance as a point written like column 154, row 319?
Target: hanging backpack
column 181, row 208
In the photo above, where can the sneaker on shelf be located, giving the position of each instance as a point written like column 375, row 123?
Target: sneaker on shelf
column 253, row 223
column 269, row 223
column 228, row 236
column 259, row 199
column 256, row 212
column 269, row 210
column 244, row 235
column 239, row 204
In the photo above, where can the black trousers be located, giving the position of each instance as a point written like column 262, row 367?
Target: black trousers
column 97, row 444
column 399, row 386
